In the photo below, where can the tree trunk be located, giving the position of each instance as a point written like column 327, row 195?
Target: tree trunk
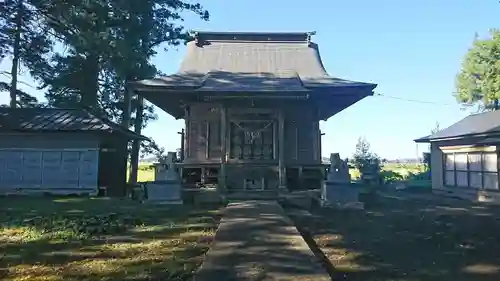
column 16, row 52
column 91, row 88
column 134, row 156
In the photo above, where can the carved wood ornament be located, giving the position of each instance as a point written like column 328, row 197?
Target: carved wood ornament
column 252, row 134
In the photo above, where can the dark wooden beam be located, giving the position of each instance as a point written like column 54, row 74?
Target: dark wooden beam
column 182, row 133
column 281, row 150
column 224, row 136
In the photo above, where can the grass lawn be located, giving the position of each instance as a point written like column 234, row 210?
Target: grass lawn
column 101, row 239
column 408, row 241
column 402, row 169
column 145, row 173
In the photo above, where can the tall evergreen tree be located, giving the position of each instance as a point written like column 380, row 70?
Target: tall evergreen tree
column 24, row 39
column 108, row 43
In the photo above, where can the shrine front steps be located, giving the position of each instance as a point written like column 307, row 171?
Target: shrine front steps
column 252, row 195
column 257, row 241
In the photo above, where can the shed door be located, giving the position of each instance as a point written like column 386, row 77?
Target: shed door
column 11, row 168
column 49, row 170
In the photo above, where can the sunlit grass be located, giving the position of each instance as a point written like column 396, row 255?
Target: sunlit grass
column 145, row 172
column 99, row 239
column 403, row 169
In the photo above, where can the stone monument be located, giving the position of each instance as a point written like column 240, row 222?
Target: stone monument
column 167, row 187
column 337, row 190
column 160, row 169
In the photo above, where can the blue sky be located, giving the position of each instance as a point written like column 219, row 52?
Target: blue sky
column 411, row 49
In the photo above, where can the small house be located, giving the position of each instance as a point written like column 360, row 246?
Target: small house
column 464, row 158
column 61, row 151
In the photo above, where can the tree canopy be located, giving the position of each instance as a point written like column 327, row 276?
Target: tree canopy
column 83, row 53
column 478, row 82
column 25, row 39
column 364, row 159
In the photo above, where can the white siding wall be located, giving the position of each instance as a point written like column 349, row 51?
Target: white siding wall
column 437, row 173
column 54, row 163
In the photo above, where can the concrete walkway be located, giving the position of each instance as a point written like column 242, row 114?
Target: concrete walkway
column 256, row 241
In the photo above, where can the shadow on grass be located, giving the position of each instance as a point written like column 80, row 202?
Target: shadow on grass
column 408, row 240
column 157, row 242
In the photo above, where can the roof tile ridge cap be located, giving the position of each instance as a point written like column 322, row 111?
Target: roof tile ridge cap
column 305, row 43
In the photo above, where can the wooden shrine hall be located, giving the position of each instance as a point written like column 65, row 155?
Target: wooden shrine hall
column 252, row 102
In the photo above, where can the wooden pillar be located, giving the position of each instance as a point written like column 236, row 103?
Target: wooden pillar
column 315, row 139
column 134, row 156
column 224, row 135
column 297, row 145
column 320, row 146
column 301, row 177
column 281, row 150
column 187, row 132
column 182, row 133
column 203, row 175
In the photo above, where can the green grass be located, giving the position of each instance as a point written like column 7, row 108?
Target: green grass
column 402, row 169
column 409, row 240
column 101, row 239
column 145, row 173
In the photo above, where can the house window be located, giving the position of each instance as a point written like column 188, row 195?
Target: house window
column 472, row 170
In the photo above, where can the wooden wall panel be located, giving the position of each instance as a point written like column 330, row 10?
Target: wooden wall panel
column 203, row 138
column 301, row 130
column 214, row 139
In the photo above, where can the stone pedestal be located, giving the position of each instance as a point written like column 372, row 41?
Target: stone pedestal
column 167, row 186
column 167, row 192
column 343, row 196
column 337, row 190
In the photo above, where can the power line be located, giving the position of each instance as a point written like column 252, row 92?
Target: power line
column 412, row 100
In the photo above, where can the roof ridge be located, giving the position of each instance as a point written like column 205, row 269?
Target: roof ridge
column 253, row 32
column 274, row 37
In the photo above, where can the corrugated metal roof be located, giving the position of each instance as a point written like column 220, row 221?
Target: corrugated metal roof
column 487, row 123
column 56, row 119
column 251, row 61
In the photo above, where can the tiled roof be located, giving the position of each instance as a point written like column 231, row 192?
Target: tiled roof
column 219, row 61
column 482, row 124
column 56, row 119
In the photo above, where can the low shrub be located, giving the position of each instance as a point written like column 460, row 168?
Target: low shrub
column 391, row 177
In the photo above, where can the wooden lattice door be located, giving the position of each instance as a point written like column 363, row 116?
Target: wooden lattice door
column 252, row 140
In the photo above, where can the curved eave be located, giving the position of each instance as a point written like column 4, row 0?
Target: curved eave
column 422, row 140
column 331, row 100
column 306, row 84
column 472, row 137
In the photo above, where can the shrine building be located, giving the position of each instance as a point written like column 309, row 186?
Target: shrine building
column 252, row 102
